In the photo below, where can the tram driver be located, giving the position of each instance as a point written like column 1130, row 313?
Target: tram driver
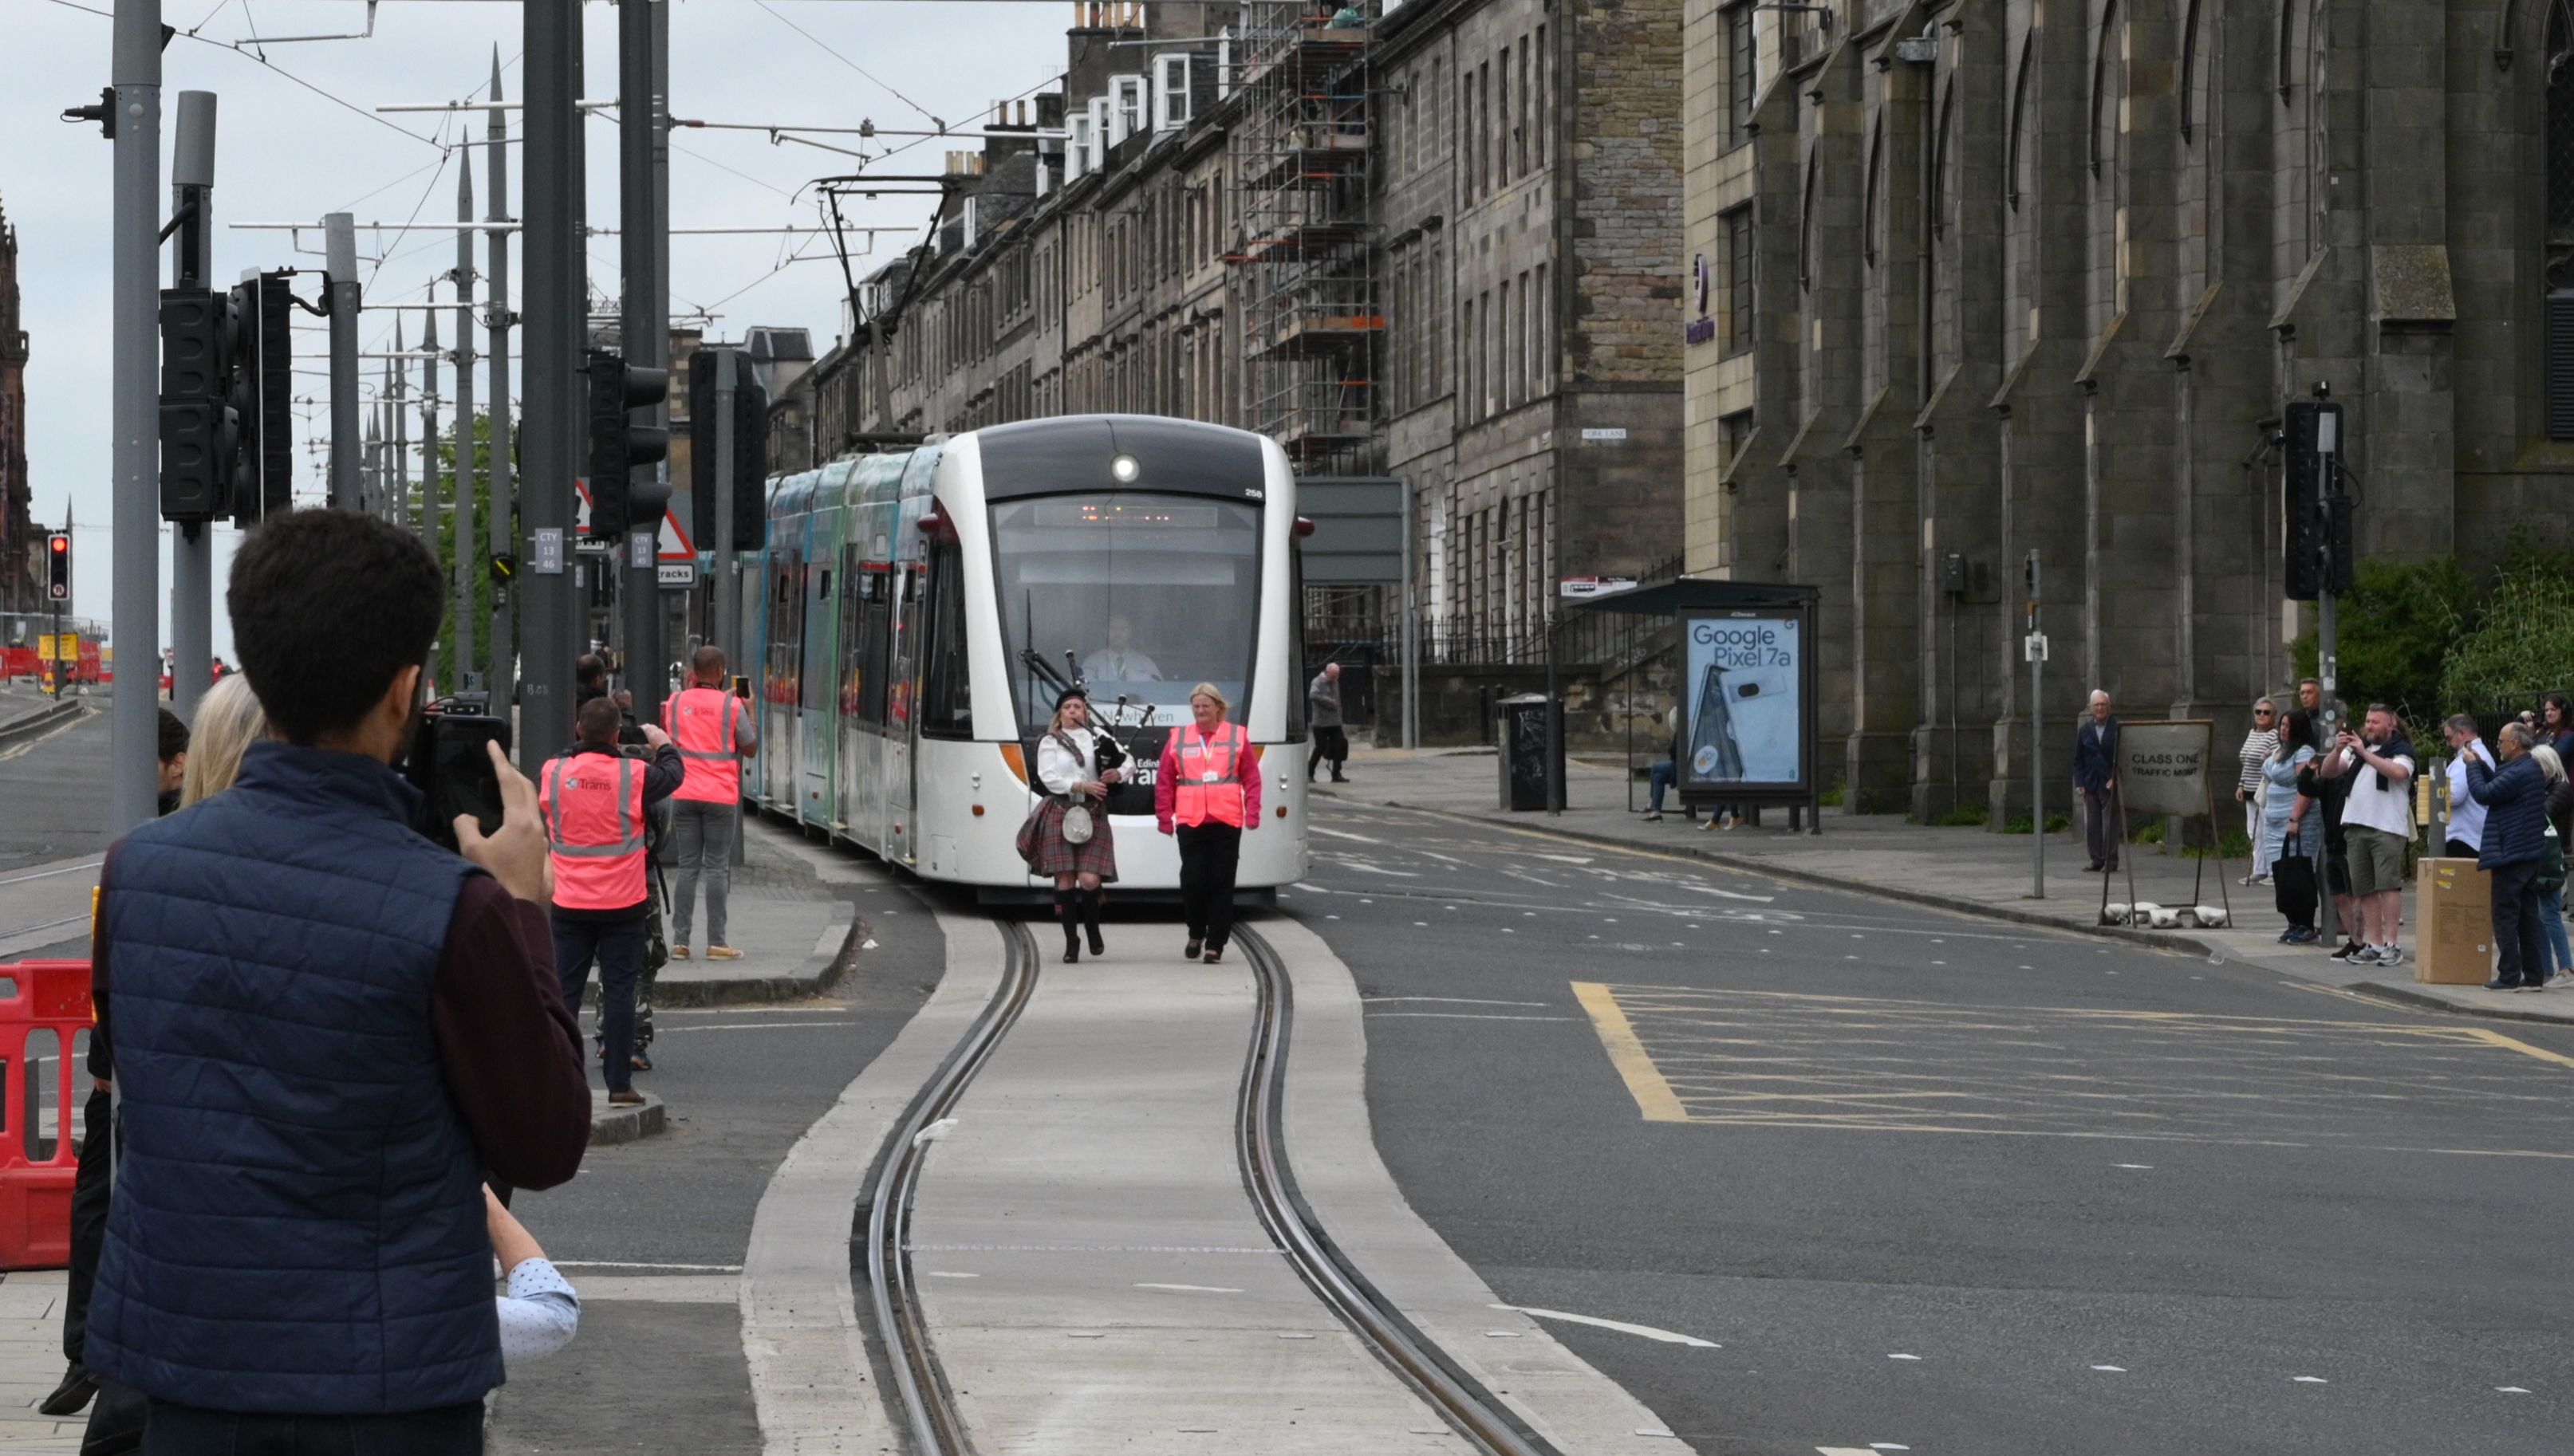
column 1118, row 661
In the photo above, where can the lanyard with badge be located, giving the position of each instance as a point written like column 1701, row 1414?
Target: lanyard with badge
column 1206, row 757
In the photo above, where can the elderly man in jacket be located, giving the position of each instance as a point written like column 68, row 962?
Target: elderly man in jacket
column 2515, row 800
column 2095, row 776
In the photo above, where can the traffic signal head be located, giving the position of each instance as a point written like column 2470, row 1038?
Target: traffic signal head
column 198, row 425
column 263, row 398
column 58, row 566
column 617, row 504
column 746, row 495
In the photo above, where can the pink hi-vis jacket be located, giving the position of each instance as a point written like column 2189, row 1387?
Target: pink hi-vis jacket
column 1167, row 781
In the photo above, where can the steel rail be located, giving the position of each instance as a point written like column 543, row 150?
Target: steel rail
column 929, row 1411
column 1466, row 1405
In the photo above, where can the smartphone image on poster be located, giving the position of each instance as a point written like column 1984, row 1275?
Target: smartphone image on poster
column 1761, row 707
column 1713, row 755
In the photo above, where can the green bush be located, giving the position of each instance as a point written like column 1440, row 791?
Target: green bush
column 1961, row 816
column 2397, row 625
column 2524, row 643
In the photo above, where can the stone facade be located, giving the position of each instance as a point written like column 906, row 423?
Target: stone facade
column 22, row 587
column 2032, row 277
column 1522, row 201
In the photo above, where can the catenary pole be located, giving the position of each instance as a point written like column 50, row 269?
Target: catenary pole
column 463, row 542
column 135, row 408
column 504, row 647
column 340, row 261
column 1411, row 633
column 398, row 505
column 192, row 544
column 727, row 623
column 429, row 503
column 644, row 332
column 2036, row 650
column 552, row 248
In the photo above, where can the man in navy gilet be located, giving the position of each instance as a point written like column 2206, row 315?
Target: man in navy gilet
column 326, row 1028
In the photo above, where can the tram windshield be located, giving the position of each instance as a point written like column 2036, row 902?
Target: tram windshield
column 1145, row 596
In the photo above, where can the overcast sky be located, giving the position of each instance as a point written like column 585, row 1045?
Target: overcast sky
column 296, row 137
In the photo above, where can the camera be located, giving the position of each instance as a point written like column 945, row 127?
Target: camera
column 451, row 766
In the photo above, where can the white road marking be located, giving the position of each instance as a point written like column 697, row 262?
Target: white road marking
column 949, row 1274
column 2111, row 1369
column 1192, row 1288
column 1340, row 834
column 1566, row 859
column 630, row 1264
column 1364, row 866
column 1851, row 1451
column 1466, row 1017
column 1904, row 1357
column 2135, row 1167
column 2510, row 1390
column 1453, row 1001
column 2310, row 1380
column 1644, row 1331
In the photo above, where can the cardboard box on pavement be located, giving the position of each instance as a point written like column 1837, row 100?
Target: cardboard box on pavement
column 2453, row 934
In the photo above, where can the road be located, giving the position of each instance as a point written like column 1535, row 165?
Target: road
column 1937, row 1184
column 55, row 788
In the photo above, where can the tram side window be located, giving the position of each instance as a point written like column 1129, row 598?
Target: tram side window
column 946, row 703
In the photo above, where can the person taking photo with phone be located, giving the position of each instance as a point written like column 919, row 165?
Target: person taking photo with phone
column 296, row 1250
column 594, row 797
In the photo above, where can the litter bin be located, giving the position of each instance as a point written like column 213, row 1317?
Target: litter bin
column 1520, row 734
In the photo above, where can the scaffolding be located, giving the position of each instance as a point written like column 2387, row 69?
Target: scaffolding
column 1304, row 274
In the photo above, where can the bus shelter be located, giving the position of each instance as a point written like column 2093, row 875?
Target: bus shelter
column 1745, row 653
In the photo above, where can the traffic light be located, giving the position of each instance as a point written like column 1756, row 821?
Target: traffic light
column 58, row 566
column 618, row 501
column 2319, row 519
column 198, row 428
column 263, row 398
column 748, row 491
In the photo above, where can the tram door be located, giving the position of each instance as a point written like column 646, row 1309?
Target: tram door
column 902, row 689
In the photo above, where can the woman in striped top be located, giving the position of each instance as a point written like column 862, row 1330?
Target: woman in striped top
column 2258, row 746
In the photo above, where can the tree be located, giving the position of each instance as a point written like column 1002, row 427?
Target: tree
column 2397, row 625
column 476, row 556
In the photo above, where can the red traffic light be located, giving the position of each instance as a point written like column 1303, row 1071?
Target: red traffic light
column 61, row 543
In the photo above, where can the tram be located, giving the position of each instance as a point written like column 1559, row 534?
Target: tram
column 918, row 611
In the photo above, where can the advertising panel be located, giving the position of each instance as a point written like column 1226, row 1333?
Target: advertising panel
column 2162, row 768
column 1743, row 675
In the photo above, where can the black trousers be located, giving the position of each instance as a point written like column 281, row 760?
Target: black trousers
column 2518, row 954
column 186, row 1430
column 89, row 1215
column 1331, row 745
column 1209, row 855
column 618, row 944
column 2101, row 824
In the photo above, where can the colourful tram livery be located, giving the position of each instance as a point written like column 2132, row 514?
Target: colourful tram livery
column 918, row 611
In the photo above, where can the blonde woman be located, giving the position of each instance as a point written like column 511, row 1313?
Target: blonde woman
column 1206, row 794
column 229, row 721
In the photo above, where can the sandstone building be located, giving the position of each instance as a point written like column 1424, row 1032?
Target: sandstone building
column 1976, row 279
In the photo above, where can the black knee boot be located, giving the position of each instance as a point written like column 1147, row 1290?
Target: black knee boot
column 1066, row 902
column 1090, row 904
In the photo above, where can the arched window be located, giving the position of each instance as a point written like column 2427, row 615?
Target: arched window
column 1876, row 177
column 1940, row 140
column 2102, row 60
column 2190, row 74
column 2558, row 274
column 1806, row 231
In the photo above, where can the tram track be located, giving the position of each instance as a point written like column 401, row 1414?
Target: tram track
column 930, row 1412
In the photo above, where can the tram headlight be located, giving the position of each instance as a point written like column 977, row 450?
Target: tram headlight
column 1125, row 469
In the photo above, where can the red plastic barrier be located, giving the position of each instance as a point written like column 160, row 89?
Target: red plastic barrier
column 41, row 1019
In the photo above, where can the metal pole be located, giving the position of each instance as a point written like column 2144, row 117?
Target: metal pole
column 367, row 472
column 2327, row 673
column 553, row 316
column 340, row 259
column 398, row 501
column 2036, row 744
column 645, row 329
column 1411, row 633
column 504, row 677
column 728, row 560
column 192, row 545
column 1554, row 724
column 462, row 538
column 135, row 408
column 429, row 444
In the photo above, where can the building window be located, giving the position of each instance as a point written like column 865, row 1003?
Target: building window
column 1737, row 230
column 1869, row 212
column 1735, row 431
column 2559, row 268
column 1503, row 171
column 1545, row 118
column 1743, row 71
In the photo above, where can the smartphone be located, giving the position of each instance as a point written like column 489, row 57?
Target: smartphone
column 1761, row 709
column 1713, row 755
column 742, row 686
column 452, row 769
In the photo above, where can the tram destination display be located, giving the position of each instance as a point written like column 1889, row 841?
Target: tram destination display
column 1742, row 694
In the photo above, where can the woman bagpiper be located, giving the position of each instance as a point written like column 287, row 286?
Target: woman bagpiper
column 1207, row 792
column 1068, row 767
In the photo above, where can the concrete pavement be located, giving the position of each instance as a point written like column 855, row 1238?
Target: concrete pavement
column 1968, row 870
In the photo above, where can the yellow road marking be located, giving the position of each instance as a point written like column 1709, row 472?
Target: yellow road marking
column 1654, row 1096
column 2497, row 1039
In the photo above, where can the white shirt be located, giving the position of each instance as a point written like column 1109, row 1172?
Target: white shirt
column 2466, row 816
column 539, row 1315
column 2374, row 805
column 1059, row 770
column 1111, row 665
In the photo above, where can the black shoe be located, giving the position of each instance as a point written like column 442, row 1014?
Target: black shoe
column 72, row 1395
column 2498, row 983
column 1215, row 955
column 1652, row 816
column 640, row 1062
column 1336, row 778
column 1192, row 950
column 2092, row 868
column 1090, row 907
column 1071, row 947
column 2533, row 985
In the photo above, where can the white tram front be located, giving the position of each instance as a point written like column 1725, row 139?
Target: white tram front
column 920, row 610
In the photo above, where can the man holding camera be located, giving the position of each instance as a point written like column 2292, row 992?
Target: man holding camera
column 325, row 1030
column 2376, row 823
column 594, row 797
column 714, row 732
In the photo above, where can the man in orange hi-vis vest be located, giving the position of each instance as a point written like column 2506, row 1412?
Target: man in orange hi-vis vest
column 714, row 733
column 594, row 798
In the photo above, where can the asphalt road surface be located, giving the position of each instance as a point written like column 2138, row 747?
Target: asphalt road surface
column 1937, row 1185
column 54, row 789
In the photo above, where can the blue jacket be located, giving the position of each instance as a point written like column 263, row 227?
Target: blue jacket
column 2515, row 800
column 2095, row 753
column 298, row 1224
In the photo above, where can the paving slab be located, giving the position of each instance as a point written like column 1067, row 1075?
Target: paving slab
column 1969, row 869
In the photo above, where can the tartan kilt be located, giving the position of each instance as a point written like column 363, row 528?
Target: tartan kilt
column 1047, row 852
